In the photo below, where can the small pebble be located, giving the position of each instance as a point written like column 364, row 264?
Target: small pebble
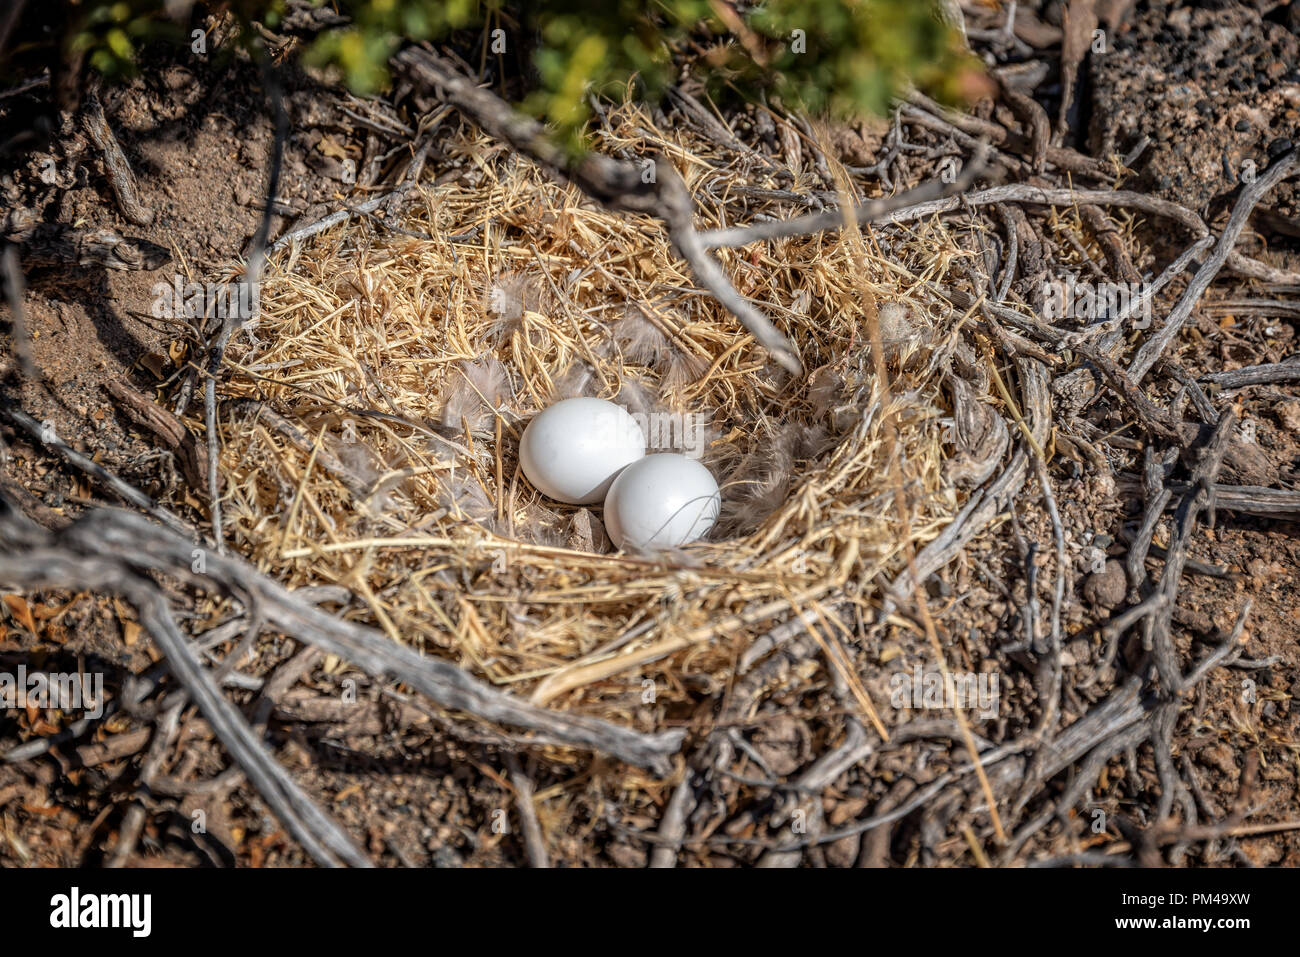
column 1106, row 588
column 1288, row 413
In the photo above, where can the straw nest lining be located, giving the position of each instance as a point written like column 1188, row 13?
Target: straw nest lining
column 389, row 378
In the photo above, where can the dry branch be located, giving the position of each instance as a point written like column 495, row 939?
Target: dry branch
column 133, row 542
column 1250, row 197
column 116, row 166
column 655, row 189
column 37, row 560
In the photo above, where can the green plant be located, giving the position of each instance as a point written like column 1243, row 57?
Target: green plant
column 840, row 57
column 845, row 57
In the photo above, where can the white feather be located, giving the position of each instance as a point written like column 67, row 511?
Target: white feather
column 473, row 392
column 463, row 497
column 825, row 391
column 896, row 328
column 642, row 342
column 575, row 381
column 637, row 397
column 538, row 525
column 488, row 377
column 508, row 298
column 683, row 370
column 760, row 483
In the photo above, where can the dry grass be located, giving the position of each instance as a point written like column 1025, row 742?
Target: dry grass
column 423, row 513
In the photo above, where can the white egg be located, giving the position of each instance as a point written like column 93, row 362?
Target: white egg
column 572, row 451
column 661, row 501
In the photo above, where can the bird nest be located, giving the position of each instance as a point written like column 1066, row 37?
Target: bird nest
column 372, row 441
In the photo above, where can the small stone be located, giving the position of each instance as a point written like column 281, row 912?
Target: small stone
column 937, row 587
column 1106, row 588
column 1288, row 413
column 782, row 742
column 1242, row 126
column 1221, row 758
column 844, row 852
column 587, row 533
column 178, row 78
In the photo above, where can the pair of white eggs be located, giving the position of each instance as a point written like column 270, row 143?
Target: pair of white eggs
column 582, row 451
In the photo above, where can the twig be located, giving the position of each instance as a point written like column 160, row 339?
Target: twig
column 1112, row 245
column 116, row 167
column 127, row 492
column 164, row 734
column 1246, row 202
column 253, row 277
column 1156, row 420
column 333, row 219
column 14, row 290
column 883, row 209
column 28, row 86
column 1199, row 495
column 1013, row 252
column 534, row 842
column 36, row 560
column 1053, row 657
column 615, row 183
column 672, row 827
column 1013, row 193
column 131, row 541
column 1110, row 327
column 1157, row 498
column 1274, row 503
column 1209, row 414
column 854, row 748
column 1266, row 374
column 163, row 424
column 1224, row 654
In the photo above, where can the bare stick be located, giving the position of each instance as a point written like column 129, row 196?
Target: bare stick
column 343, row 215
column 1013, row 193
column 1266, row 374
column 253, row 277
column 128, row 539
column 1250, row 197
column 657, row 191
column 116, row 167
column 672, row 828
column 43, row 564
column 1199, row 495
column 13, row 281
column 1051, row 662
column 872, row 211
column 1274, row 503
column 534, row 841
column 129, row 493
column 164, row 734
column 712, row 278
